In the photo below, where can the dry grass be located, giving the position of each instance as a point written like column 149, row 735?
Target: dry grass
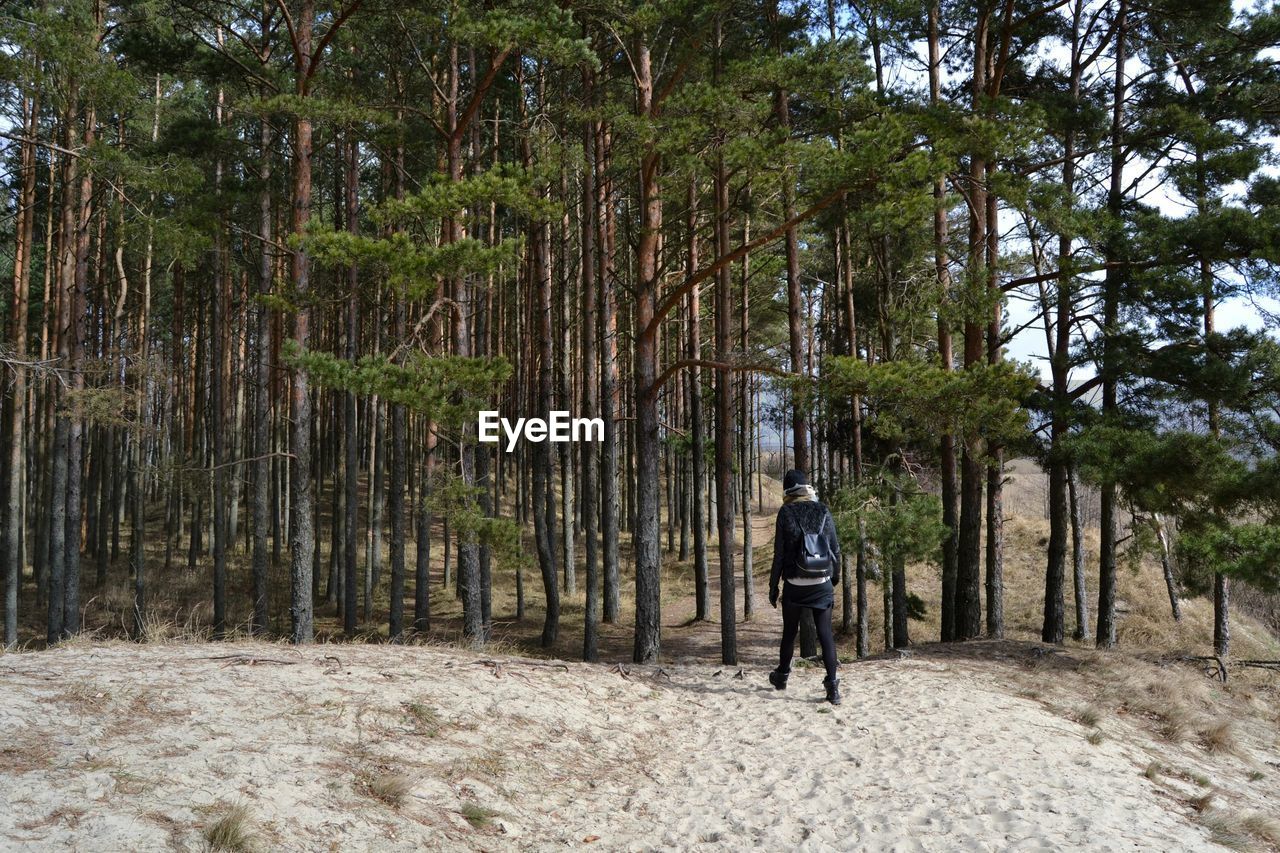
column 478, row 816
column 27, row 752
column 84, row 696
column 426, row 719
column 1174, row 724
column 1094, row 737
column 69, row 814
column 1088, row 716
column 162, row 629
column 1220, row 738
column 231, row 830
column 1168, row 700
column 1203, row 802
column 1262, row 827
column 1241, row 830
column 492, row 764
column 388, row 787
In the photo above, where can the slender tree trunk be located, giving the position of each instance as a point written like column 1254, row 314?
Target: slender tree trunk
column 75, row 364
column 610, row 386
column 302, row 539
column 543, row 497
column 724, row 415
column 648, row 556
column 1106, row 632
column 1166, row 564
column 968, row 596
column 590, row 378
column 947, row 445
column 995, row 468
column 701, row 583
column 262, row 398
column 350, row 426
column 1078, row 559
column 24, row 231
column 219, row 321
column 746, row 439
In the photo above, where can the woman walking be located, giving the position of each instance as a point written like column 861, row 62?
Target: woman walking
column 806, row 554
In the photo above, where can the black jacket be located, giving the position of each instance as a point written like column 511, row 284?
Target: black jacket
column 788, row 536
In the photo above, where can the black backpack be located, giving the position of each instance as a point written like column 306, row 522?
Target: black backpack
column 815, row 558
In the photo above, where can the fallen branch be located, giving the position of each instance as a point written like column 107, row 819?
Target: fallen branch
column 1260, row 664
column 249, row 660
column 497, row 665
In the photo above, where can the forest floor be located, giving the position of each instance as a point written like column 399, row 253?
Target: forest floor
column 175, row 744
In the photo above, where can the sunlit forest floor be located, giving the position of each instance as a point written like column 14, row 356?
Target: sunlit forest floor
column 108, row 745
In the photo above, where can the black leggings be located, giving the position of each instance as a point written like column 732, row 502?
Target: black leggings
column 791, row 626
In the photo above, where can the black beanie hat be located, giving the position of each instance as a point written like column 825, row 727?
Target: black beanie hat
column 794, row 477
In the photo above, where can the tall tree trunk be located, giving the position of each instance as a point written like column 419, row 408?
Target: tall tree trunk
column 350, row 426
column 724, row 413
column 302, row 538
column 75, row 364
column 12, row 544
column 590, row 378
column 261, row 624
column 219, row 322
column 947, row 443
column 142, row 441
column 995, row 469
column 1054, row 627
column 648, row 552
column 701, row 582
column 543, row 497
column 1111, row 296
column 746, row 433
column 968, row 597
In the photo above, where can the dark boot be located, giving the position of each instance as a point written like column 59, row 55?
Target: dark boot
column 833, row 690
column 779, row 679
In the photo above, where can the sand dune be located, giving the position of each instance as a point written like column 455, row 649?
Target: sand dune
column 385, row 748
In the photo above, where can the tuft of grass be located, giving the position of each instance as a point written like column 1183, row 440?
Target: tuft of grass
column 1241, row 830
column 160, row 628
column 1220, row 738
column 477, row 815
column 390, row 788
column 1089, row 716
column 231, row 830
column 1262, row 827
column 1173, row 723
column 1094, row 737
column 1201, row 803
column 493, row 765
column 425, row 718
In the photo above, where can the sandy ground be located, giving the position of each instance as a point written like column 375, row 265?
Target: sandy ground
column 121, row 747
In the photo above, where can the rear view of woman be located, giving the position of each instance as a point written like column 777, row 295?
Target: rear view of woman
column 806, row 558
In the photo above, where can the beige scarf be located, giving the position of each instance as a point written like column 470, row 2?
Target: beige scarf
column 800, row 493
